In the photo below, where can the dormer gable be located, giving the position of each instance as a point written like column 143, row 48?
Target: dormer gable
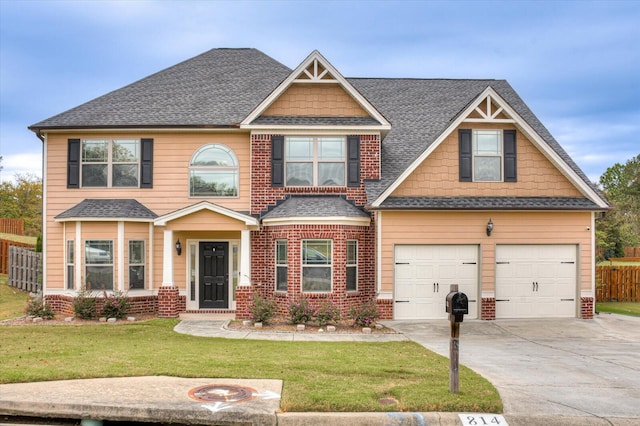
column 490, row 108
column 316, row 96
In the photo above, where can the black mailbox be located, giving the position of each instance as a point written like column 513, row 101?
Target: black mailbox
column 457, row 305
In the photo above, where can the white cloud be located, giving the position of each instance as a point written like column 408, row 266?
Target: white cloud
column 23, row 163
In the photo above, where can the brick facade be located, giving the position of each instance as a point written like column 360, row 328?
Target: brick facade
column 385, row 307
column 488, row 308
column 139, row 305
column 170, row 304
column 586, row 307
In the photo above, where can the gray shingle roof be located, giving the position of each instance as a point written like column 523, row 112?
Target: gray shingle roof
column 488, row 203
column 108, row 208
column 315, row 206
column 217, row 88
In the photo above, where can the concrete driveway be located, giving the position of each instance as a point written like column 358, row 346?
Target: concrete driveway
column 559, row 367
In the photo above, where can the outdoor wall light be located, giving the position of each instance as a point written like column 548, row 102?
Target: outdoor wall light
column 178, row 247
column 489, row 228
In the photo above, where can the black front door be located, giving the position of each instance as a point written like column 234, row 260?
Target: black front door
column 214, row 267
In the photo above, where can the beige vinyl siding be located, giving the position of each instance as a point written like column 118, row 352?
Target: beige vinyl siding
column 320, row 100
column 470, row 228
column 438, row 175
column 170, row 192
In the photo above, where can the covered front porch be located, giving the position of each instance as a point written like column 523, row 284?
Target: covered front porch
column 206, row 258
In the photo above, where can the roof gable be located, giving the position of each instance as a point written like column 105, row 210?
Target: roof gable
column 313, row 72
column 205, row 206
column 490, row 107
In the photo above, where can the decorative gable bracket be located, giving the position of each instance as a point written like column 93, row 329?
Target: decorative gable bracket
column 488, row 111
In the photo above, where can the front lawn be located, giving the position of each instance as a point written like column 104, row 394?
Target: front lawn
column 624, row 308
column 12, row 300
column 317, row 376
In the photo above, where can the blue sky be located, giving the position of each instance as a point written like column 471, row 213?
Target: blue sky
column 576, row 64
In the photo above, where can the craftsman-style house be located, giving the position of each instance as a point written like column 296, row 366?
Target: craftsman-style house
column 230, row 174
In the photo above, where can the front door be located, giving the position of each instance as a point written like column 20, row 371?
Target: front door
column 214, row 276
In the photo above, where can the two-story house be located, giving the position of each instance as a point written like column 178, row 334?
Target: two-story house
column 230, row 174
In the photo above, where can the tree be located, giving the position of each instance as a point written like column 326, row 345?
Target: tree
column 22, row 199
column 620, row 227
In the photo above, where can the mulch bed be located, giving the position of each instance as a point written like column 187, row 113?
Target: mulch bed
column 282, row 325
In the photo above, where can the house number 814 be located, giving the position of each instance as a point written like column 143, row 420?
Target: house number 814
column 482, row 419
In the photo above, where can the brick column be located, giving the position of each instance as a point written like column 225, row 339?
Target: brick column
column 168, row 302
column 244, row 295
column 488, row 308
column 586, row 307
column 385, row 307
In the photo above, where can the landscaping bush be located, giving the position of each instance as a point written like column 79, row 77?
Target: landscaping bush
column 84, row 305
column 116, row 305
column 364, row 314
column 301, row 311
column 262, row 310
column 327, row 313
column 37, row 308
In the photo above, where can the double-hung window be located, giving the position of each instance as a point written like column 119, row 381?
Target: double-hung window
column 281, row 265
column 487, row 155
column 316, row 266
column 352, row 265
column 315, row 161
column 110, row 163
column 136, row 264
column 98, row 259
column 213, row 172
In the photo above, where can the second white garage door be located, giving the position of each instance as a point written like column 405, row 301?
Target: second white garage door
column 535, row 281
column 423, row 274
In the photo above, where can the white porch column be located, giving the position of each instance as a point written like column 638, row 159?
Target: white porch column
column 167, row 259
column 245, row 257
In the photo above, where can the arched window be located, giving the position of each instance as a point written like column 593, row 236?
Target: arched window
column 213, row 172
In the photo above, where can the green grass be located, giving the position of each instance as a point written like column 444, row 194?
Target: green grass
column 18, row 238
column 317, row 376
column 624, row 308
column 12, row 301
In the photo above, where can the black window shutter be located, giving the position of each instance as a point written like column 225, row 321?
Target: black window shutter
column 146, row 163
column 277, row 161
column 73, row 164
column 465, row 155
column 353, row 161
column 510, row 161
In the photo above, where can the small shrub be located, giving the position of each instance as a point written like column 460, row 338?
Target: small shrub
column 262, row 310
column 37, row 308
column 365, row 314
column 301, row 312
column 84, row 305
column 327, row 313
column 116, row 305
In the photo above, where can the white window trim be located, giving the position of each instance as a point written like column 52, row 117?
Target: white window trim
column 302, row 266
column 474, row 155
column 315, row 161
column 281, row 265
column 235, row 168
column 143, row 264
column 70, row 248
column 352, row 265
column 112, row 264
column 110, row 163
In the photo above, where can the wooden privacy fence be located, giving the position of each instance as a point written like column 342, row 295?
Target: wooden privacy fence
column 4, row 253
column 25, row 269
column 12, row 226
column 617, row 283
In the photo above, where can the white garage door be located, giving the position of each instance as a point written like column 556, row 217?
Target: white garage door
column 423, row 274
column 534, row 281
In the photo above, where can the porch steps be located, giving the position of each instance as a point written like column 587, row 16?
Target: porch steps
column 209, row 314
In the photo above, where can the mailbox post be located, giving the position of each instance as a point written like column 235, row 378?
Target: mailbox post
column 457, row 305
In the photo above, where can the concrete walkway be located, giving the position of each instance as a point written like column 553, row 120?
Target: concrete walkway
column 548, row 372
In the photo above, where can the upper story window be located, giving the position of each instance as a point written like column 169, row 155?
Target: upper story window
column 110, row 163
column 213, row 172
column 315, row 161
column 487, row 155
